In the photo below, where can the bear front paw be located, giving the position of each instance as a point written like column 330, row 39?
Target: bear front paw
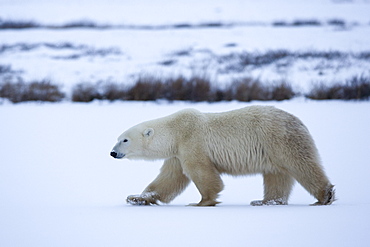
column 203, row 203
column 147, row 198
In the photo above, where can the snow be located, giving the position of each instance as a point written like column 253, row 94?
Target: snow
column 136, row 52
column 142, row 52
column 183, row 11
column 60, row 187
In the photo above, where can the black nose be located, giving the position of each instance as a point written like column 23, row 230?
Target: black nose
column 113, row 154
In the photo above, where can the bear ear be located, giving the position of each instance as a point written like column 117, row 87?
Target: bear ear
column 148, row 132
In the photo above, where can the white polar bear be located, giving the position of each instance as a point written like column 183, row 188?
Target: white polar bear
column 199, row 147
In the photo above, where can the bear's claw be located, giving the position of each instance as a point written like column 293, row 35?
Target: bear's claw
column 147, row 198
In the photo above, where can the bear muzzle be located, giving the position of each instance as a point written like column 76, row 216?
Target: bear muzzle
column 116, row 155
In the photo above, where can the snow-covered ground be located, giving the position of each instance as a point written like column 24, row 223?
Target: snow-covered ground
column 60, row 187
column 71, row 56
column 159, row 12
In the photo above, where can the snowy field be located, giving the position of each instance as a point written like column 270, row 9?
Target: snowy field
column 148, row 39
column 60, row 187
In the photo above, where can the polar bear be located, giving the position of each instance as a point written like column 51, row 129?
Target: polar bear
column 199, row 147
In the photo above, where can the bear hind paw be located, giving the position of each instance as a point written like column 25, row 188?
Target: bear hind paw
column 329, row 197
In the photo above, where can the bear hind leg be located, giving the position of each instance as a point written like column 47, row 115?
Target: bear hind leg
column 277, row 188
column 314, row 180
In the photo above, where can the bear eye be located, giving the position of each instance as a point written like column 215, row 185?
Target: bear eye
column 125, row 140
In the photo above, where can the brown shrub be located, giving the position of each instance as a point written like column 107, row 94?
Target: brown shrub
column 34, row 91
column 85, row 92
column 146, row 88
column 355, row 88
column 113, row 91
column 248, row 89
column 281, row 90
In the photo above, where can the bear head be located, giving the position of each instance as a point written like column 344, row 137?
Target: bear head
column 144, row 141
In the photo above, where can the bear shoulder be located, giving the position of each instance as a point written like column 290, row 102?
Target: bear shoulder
column 187, row 116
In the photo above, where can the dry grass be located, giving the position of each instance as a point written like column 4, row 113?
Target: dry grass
column 180, row 88
column 355, row 88
column 35, row 91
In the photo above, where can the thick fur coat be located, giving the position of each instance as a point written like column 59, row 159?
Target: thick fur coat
column 199, row 147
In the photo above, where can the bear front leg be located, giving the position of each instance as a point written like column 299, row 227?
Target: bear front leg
column 170, row 182
column 207, row 180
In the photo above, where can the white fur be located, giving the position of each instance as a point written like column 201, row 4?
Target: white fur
column 201, row 146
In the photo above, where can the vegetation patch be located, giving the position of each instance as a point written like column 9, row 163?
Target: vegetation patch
column 355, row 88
column 34, row 91
column 79, row 50
column 89, row 24
column 18, row 24
column 179, row 88
column 237, row 62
